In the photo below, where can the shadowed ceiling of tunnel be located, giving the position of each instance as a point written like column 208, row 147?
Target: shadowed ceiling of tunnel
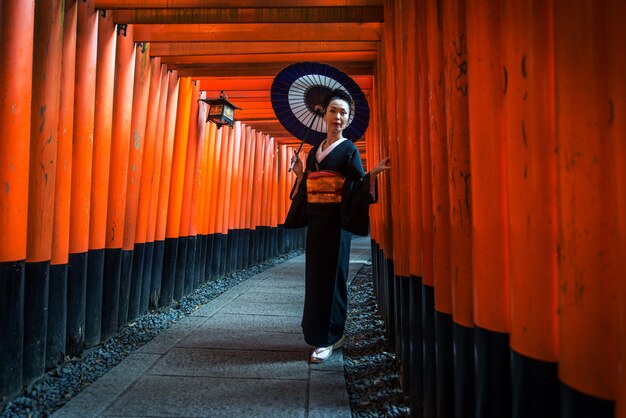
column 240, row 45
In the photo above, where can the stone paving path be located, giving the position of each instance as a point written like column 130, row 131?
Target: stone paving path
column 240, row 355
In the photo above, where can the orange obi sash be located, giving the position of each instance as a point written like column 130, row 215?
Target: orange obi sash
column 324, row 187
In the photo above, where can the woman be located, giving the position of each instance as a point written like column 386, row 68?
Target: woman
column 338, row 195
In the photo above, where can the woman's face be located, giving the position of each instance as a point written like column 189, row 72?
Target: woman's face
column 336, row 116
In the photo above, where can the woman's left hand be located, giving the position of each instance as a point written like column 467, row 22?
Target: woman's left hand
column 383, row 165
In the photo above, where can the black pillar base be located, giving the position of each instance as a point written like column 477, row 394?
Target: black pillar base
column 168, row 280
column 535, row 387
column 111, row 291
column 37, row 282
column 493, row 373
column 464, row 375
column 444, row 365
column 125, row 287
column 179, row 275
column 12, row 275
column 575, row 404
column 93, row 307
column 136, row 279
column 430, row 354
column 76, row 300
column 57, row 316
column 158, row 254
column 146, row 281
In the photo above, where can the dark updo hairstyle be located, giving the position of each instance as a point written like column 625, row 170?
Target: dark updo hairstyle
column 337, row 94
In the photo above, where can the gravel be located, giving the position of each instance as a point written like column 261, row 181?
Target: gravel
column 371, row 372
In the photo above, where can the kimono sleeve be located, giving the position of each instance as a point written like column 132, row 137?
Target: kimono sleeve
column 355, row 203
column 296, row 216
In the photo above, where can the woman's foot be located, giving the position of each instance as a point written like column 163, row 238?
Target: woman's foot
column 323, row 353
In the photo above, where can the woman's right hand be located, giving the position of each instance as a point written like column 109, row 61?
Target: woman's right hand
column 297, row 165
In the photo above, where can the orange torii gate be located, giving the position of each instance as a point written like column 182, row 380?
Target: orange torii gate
column 498, row 243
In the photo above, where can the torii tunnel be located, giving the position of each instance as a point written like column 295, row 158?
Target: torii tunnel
column 499, row 240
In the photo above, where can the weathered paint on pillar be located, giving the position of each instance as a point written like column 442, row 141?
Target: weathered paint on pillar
column 615, row 15
column 120, row 138
column 148, row 162
column 531, row 166
column 587, row 230
column 141, row 92
column 105, row 80
column 47, row 54
column 457, row 126
column 487, row 85
column 82, row 157
column 16, row 66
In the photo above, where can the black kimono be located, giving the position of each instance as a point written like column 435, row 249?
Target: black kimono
column 328, row 243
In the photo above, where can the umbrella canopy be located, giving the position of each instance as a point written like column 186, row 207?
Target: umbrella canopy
column 297, row 93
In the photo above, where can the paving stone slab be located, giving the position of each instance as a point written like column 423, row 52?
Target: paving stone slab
column 257, row 308
column 94, row 400
column 328, row 396
column 173, row 396
column 232, row 364
column 245, row 340
column 244, row 322
column 294, row 290
column 277, row 283
column 253, row 295
column 163, row 342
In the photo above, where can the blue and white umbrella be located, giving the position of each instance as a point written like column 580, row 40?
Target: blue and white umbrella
column 297, row 93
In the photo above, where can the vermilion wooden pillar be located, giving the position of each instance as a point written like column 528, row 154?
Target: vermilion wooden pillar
column 149, row 176
column 244, row 173
column 211, row 195
column 57, row 297
column 422, row 104
column 388, row 105
column 228, row 140
column 186, row 184
column 441, row 248
column 130, row 298
column 220, row 200
column 454, row 321
column 261, row 195
column 248, row 177
column 272, row 201
column 116, row 261
column 172, row 285
column 164, row 289
column 257, row 153
column 82, row 154
column 531, row 183
column 251, row 197
column 282, row 194
column 201, row 197
column 195, row 211
column 155, row 266
column 215, row 158
column 487, row 85
column 16, row 69
column 98, row 326
column 47, row 54
column 402, row 216
column 235, row 201
column 587, row 204
column 263, row 222
column 615, row 15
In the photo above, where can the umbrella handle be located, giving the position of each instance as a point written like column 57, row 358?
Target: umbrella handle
column 318, row 112
column 297, row 153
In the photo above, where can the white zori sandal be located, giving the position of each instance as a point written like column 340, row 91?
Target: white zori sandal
column 323, row 353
